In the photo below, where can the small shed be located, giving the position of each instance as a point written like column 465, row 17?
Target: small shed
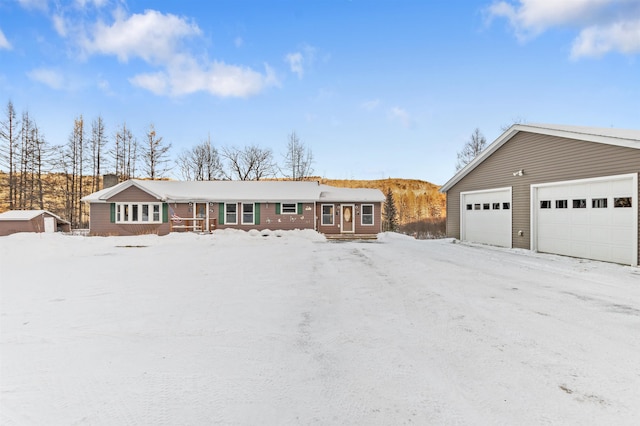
column 14, row 221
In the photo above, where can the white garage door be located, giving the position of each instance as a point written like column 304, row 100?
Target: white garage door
column 485, row 217
column 593, row 219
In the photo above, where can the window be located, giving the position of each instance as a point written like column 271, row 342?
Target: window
column 506, row 206
column 138, row 213
column 580, row 204
column 476, row 206
column 561, row 204
column 289, row 208
column 367, row 214
column 622, row 202
column 496, row 206
column 545, row 204
column 599, row 203
column 327, row 214
column 469, row 206
column 231, row 216
column 485, row 206
column 247, row 213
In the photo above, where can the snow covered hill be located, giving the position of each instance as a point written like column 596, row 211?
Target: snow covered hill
column 286, row 328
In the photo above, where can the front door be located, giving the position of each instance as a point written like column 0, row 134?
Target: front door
column 200, row 214
column 346, row 221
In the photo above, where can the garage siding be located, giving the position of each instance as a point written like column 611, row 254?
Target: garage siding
column 544, row 159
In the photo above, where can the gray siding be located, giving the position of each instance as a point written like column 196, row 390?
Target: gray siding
column 544, row 159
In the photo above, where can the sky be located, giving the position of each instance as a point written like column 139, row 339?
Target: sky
column 374, row 88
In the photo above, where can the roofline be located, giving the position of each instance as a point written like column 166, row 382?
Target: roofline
column 583, row 135
column 128, row 184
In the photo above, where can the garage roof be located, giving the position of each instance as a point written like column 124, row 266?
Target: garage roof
column 13, row 215
column 620, row 137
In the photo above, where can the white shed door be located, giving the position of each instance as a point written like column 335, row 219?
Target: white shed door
column 486, row 217
column 592, row 219
column 49, row 224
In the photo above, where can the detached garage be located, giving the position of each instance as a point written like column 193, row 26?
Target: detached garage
column 14, row 221
column 555, row 189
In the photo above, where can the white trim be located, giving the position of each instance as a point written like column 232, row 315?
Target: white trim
column 353, row 222
column 295, row 208
column 373, row 216
column 333, row 214
column 205, row 225
column 253, row 213
column 616, row 137
column 225, row 214
column 120, row 208
column 485, row 191
column 534, row 203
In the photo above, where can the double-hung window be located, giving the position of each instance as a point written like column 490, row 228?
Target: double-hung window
column 367, row 214
column 231, row 213
column 327, row 214
column 247, row 214
column 138, row 213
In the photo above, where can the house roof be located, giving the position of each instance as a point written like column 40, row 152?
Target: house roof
column 255, row 191
column 17, row 215
column 619, row 137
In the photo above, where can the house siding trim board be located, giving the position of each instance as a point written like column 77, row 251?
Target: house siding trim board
column 544, row 159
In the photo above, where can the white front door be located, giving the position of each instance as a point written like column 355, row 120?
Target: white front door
column 49, row 224
column 485, row 217
column 589, row 218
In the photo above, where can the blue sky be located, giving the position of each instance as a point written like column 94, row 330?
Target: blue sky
column 375, row 88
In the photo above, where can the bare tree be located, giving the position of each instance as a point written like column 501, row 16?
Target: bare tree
column 97, row 142
column 471, row 149
column 297, row 160
column 9, row 135
column 250, row 163
column 124, row 153
column 74, row 170
column 155, row 154
column 202, row 162
column 517, row 120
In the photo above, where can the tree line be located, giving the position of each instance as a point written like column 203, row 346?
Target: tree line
column 28, row 158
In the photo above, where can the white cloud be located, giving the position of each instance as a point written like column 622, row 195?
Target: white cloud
column 295, row 61
column 60, row 25
column 48, row 77
column 371, row 105
column 152, row 36
column 41, row 5
column 596, row 41
column 301, row 60
column 401, row 115
column 4, row 43
column 158, row 39
column 604, row 25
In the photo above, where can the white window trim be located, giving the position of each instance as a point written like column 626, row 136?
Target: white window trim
column 138, row 220
column 333, row 219
column 226, row 217
column 253, row 214
column 295, row 208
column 373, row 216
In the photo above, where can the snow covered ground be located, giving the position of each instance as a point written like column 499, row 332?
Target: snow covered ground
column 241, row 329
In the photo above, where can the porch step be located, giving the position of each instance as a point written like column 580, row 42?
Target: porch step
column 350, row 237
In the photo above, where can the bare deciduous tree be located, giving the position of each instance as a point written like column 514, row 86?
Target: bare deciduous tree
column 297, row 159
column 125, row 153
column 201, row 162
column 97, row 142
column 9, row 135
column 250, row 163
column 471, row 149
column 155, row 155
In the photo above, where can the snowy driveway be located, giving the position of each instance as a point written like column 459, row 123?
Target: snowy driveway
column 238, row 328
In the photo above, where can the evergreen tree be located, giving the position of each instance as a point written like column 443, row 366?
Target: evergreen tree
column 389, row 213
